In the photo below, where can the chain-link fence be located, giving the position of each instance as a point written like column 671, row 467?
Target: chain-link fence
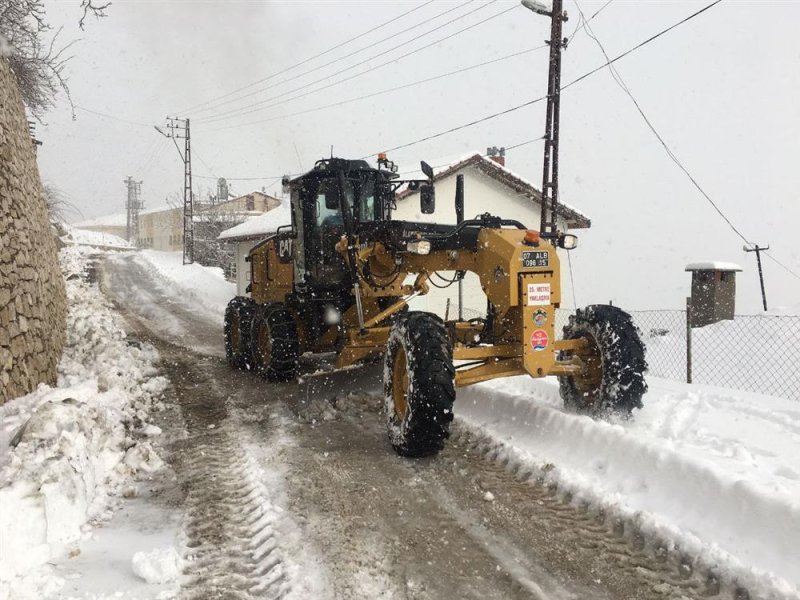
column 753, row 353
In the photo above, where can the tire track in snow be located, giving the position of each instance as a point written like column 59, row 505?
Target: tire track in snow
column 231, row 546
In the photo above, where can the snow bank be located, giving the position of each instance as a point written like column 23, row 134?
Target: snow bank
column 67, row 452
column 712, row 471
column 84, row 237
column 206, row 285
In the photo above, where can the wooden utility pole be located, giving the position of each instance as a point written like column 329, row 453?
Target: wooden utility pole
column 758, row 250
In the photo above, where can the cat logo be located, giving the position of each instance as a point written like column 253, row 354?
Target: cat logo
column 285, row 247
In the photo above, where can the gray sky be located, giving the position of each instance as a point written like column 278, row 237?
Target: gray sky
column 722, row 90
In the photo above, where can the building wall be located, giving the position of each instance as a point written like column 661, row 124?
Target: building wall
column 243, row 267
column 481, row 194
column 33, row 303
column 255, row 202
column 162, row 230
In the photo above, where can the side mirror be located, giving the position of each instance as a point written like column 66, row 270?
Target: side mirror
column 427, row 169
column 427, row 198
column 331, row 201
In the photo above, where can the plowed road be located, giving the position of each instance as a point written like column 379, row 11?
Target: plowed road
column 285, row 495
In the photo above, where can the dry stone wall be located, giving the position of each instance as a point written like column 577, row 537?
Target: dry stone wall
column 33, row 303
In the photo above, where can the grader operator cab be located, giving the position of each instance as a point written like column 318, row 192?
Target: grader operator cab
column 339, row 279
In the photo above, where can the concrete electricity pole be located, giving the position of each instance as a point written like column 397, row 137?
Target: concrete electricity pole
column 132, row 206
column 179, row 129
column 758, row 250
column 549, row 224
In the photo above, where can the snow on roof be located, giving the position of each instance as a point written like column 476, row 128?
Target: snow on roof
column 713, row 265
column 113, row 220
column 260, row 226
column 510, row 178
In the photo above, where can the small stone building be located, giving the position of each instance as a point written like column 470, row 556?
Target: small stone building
column 713, row 292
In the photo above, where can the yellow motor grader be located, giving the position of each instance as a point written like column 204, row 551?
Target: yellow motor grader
column 340, row 278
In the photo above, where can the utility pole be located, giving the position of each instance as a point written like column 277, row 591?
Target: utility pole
column 179, row 129
column 132, row 206
column 758, row 250
column 549, row 224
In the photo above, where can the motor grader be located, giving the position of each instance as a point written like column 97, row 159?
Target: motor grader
column 340, row 279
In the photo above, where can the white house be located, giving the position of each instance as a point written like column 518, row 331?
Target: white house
column 488, row 187
column 248, row 234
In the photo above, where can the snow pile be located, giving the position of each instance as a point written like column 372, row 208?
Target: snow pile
column 207, row 286
column 157, row 566
column 84, row 237
column 712, row 472
column 67, row 452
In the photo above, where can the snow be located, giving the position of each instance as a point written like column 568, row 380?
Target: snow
column 64, row 450
column 112, row 220
column 157, row 566
column 83, row 237
column 263, row 224
column 206, row 286
column 709, row 470
column 713, row 265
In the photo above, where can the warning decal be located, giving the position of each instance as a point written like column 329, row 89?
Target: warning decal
column 538, row 294
column 539, row 340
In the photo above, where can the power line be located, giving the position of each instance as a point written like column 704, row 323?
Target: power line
column 107, row 116
column 624, row 87
column 571, row 83
column 379, row 93
column 215, row 105
column 307, row 60
column 238, row 112
column 582, row 22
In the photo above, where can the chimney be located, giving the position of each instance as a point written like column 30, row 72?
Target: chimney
column 498, row 155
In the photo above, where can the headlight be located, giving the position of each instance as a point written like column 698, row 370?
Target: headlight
column 568, row 241
column 332, row 315
column 419, row 247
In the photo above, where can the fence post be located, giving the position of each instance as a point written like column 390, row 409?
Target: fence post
column 688, row 340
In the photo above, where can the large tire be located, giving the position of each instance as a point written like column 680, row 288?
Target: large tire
column 274, row 343
column 238, row 316
column 612, row 381
column 419, row 385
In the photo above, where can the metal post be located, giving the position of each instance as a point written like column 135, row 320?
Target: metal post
column 758, row 250
column 688, row 340
column 459, row 219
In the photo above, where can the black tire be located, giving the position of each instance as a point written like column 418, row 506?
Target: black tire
column 419, row 347
column 613, row 382
column 274, row 345
column 238, row 317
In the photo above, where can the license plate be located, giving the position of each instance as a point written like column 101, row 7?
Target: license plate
column 531, row 259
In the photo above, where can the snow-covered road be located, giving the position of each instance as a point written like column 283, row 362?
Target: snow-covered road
column 292, row 491
column 311, row 502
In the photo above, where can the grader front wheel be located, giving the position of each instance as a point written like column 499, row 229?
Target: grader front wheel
column 613, row 363
column 418, row 385
column 274, row 343
column 238, row 315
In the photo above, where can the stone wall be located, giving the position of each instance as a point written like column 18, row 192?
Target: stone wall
column 33, row 303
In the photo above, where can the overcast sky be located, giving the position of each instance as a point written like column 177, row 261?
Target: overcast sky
column 723, row 90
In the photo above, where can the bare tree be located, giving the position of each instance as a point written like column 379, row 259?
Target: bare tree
column 57, row 204
column 38, row 66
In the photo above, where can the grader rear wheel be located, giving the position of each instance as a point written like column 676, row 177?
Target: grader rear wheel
column 418, row 384
column 613, row 363
column 274, row 343
column 238, row 315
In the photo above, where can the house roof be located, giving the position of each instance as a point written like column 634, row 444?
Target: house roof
column 575, row 218
column 258, row 227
